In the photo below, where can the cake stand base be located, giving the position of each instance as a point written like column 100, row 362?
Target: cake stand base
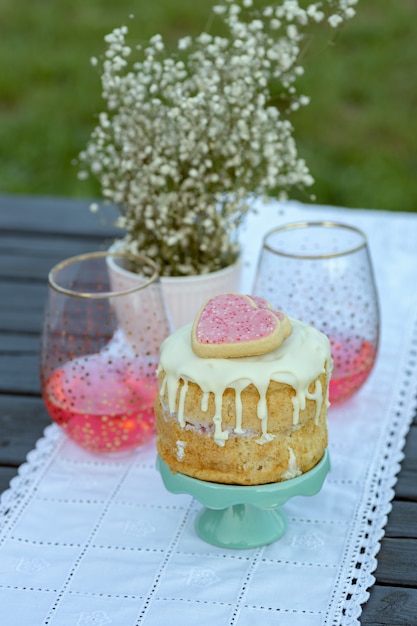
column 242, row 517
column 240, row 526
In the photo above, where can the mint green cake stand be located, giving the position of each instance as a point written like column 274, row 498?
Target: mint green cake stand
column 241, row 517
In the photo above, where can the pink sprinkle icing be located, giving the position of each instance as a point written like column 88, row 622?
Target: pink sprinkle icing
column 234, row 318
column 264, row 304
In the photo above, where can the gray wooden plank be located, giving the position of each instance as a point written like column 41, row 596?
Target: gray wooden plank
column 6, row 475
column 22, row 422
column 32, row 258
column 406, row 487
column 17, row 343
column 39, row 214
column 410, row 448
column 22, row 306
column 402, row 521
column 19, row 374
column 397, row 562
column 390, row 606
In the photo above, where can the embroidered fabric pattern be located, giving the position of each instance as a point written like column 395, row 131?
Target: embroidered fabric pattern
column 98, row 540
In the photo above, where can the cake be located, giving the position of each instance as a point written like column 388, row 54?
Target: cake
column 243, row 420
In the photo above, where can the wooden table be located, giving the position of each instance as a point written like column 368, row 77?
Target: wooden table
column 36, row 233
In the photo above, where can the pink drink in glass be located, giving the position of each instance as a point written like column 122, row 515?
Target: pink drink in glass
column 353, row 362
column 322, row 274
column 106, row 406
column 100, row 347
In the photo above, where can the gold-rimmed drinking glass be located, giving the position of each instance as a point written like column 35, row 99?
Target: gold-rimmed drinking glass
column 321, row 273
column 100, row 350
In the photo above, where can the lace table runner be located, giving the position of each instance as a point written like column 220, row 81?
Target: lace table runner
column 88, row 540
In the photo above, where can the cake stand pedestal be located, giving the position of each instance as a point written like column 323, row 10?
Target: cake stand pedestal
column 242, row 517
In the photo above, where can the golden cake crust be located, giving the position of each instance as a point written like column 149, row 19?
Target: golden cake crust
column 247, row 458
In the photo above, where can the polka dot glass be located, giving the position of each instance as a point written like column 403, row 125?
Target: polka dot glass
column 100, row 350
column 321, row 273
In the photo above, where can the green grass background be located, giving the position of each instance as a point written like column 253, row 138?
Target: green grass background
column 358, row 135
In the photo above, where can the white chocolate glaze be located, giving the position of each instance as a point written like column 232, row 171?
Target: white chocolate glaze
column 180, row 449
column 293, row 469
column 303, row 356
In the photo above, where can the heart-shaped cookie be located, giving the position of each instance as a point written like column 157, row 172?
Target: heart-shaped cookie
column 235, row 325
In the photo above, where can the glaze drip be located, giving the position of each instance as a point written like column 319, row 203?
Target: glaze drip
column 293, row 469
column 180, row 450
column 317, row 395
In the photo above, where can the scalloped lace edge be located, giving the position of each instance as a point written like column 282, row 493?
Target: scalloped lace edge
column 15, row 498
column 360, row 565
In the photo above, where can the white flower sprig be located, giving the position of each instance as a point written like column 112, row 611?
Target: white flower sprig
column 188, row 138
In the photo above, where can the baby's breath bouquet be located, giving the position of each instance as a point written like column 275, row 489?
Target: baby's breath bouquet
column 190, row 137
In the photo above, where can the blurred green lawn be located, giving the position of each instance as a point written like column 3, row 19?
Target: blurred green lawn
column 358, row 135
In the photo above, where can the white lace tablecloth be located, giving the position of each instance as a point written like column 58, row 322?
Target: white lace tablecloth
column 87, row 540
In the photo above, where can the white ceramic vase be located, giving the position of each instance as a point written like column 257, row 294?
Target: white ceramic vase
column 184, row 295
